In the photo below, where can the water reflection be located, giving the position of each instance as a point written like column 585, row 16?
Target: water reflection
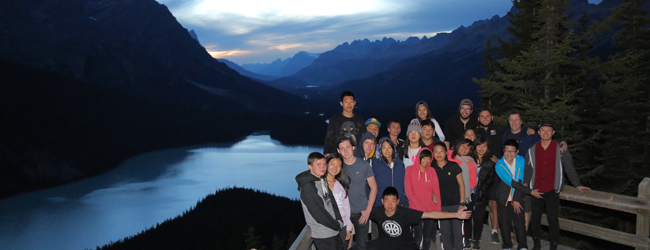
column 143, row 191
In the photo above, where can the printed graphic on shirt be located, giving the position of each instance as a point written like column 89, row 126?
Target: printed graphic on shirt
column 392, row 228
column 348, row 129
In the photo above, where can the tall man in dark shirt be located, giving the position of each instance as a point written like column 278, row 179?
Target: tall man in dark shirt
column 457, row 124
column 346, row 124
column 545, row 164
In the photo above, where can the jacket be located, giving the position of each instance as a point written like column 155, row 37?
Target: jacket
column 390, row 177
column 358, row 152
column 525, row 140
column 420, row 186
column 484, row 181
column 319, row 206
column 563, row 164
column 512, row 184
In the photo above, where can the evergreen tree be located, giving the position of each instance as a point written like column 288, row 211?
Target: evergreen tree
column 252, row 240
column 625, row 95
column 278, row 244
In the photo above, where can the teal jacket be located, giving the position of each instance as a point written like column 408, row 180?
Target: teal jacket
column 512, row 184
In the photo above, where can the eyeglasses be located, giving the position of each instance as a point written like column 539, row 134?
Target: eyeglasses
column 510, row 151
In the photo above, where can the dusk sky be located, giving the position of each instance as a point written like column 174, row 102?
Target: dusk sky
column 257, row 31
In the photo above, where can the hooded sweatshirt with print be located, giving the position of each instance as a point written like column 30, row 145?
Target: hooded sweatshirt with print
column 318, row 204
column 420, row 186
column 389, row 175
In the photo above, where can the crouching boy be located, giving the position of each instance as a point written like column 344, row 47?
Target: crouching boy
column 395, row 222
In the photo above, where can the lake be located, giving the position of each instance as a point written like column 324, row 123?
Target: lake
column 146, row 190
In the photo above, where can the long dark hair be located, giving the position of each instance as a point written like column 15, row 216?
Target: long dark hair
column 407, row 145
column 342, row 178
column 461, row 142
column 487, row 156
column 392, row 145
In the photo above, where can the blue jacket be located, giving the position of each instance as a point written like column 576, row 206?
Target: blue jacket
column 387, row 177
column 512, row 184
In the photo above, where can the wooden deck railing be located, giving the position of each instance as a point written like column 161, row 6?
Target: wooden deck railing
column 636, row 205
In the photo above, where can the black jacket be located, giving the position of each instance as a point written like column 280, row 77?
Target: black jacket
column 484, row 182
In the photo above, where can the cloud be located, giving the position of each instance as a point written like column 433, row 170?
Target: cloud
column 262, row 31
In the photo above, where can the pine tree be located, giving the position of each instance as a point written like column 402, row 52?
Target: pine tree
column 625, row 96
column 252, row 240
column 278, row 244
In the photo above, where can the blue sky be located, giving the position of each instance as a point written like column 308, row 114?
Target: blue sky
column 253, row 31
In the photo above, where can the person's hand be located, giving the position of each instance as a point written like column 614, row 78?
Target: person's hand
column 535, row 193
column 461, row 208
column 348, row 235
column 530, row 131
column 517, row 207
column 563, row 146
column 582, row 188
column 364, row 216
column 495, row 159
column 349, row 242
column 463, row 215
column 435, row 199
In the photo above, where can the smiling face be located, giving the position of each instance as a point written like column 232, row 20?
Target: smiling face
column 373, row 128
column 439, row 153
column 546, row 133
column 515, row 122
column 470, row 134
column 346, row 150
column 422, row 112
column 334, row 167
column 481, row 149
column 485, row 118
column 464, row 149
column 509, row 153
column 348, row 103
column 425, row 161
column 317, row 168
column 465, row 111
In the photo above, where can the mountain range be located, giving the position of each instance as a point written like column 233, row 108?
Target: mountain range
column 133, row 45
column 282, row 68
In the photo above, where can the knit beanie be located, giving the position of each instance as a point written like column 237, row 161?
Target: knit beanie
column 414, row 125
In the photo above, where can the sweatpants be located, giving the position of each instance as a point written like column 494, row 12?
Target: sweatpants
column 451, row 231
column 508, row 217
column 333, row 242
column 550, row 202
column 360, row 231
column 424, row 233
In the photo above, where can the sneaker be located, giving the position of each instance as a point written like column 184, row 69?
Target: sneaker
column 495, row 238
column 476, row 244
column 467, row 244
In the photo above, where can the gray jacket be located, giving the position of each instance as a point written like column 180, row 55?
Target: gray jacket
column 563, row 164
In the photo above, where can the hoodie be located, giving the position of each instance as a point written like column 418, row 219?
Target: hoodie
column 420, row 186
column 319, row 207
column 389, row 177
column 359, row 151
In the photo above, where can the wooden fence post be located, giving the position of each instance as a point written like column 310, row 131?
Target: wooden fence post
column 643, row 221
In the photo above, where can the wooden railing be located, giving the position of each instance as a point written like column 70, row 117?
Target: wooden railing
column 635, row 205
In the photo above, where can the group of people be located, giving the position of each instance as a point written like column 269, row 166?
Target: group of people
column 365, row 192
